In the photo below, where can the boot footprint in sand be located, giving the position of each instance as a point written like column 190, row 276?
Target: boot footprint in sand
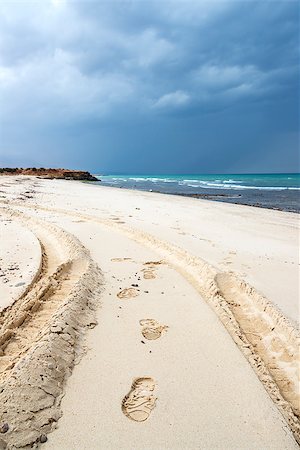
column 151, row 329
column 139, row 402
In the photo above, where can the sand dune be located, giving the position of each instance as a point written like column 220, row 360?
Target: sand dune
column 162, row 370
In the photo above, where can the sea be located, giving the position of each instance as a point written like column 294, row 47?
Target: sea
column 279, row 191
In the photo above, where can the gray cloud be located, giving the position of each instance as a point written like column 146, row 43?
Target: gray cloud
column 105, row 67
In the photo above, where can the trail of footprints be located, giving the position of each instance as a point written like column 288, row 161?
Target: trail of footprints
column 138, row 404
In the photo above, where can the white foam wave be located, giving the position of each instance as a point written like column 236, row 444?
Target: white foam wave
column 153, row 180
column 231, row 181
column 231, row 184
column 207, row 185
column 215, row 184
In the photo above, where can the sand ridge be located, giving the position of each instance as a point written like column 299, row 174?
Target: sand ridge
column 269, row 333
column 41, row 334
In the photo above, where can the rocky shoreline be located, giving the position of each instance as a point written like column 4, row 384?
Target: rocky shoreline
column 64, row 174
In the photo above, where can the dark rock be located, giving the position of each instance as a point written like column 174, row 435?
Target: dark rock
column 4, row 428
column 43, row 438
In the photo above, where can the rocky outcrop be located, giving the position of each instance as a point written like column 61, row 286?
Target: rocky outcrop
column 65, row 174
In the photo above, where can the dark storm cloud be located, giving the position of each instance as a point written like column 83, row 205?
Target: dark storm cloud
column 192, row 84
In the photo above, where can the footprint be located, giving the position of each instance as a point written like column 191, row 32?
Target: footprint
column 153, row 263
column 117, row 220
column 149, row 274
column 226, row 262
column 139, row 402
column 128, row 293
column 152, row 329
column 120, row 259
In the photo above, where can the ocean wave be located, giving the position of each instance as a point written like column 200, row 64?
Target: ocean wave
column 209, row 183
column 153, row 180
column 231, row 181
column 231, row 184
column 227, row 184
column 241, row 186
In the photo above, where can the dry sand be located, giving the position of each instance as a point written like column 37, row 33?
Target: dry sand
column 197, row 306
column 20, row 260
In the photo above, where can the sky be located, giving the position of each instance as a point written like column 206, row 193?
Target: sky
column 150, row 86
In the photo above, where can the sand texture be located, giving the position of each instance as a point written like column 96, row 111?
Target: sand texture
column 197, row 342
column 20, row 263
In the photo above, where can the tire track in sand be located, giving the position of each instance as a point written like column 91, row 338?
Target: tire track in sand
column 41, row 334
column 277, row 370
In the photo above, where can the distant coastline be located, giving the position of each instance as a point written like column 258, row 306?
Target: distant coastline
column 63, row 174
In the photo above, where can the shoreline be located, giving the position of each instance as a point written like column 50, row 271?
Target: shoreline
column 214, row 198
column 209, row 274
column 87, row 177
column 277, row 198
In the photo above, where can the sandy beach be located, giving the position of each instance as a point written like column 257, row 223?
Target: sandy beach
column 136, row 320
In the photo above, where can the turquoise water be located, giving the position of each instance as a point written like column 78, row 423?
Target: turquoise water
column 229, row 181
column 277, row 191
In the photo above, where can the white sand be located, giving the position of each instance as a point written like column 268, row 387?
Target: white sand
column 259, row 244
column 20, row 260
column 208, row 395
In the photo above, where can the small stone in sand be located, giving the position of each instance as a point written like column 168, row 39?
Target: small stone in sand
column 4, row 428
column 43, row 438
